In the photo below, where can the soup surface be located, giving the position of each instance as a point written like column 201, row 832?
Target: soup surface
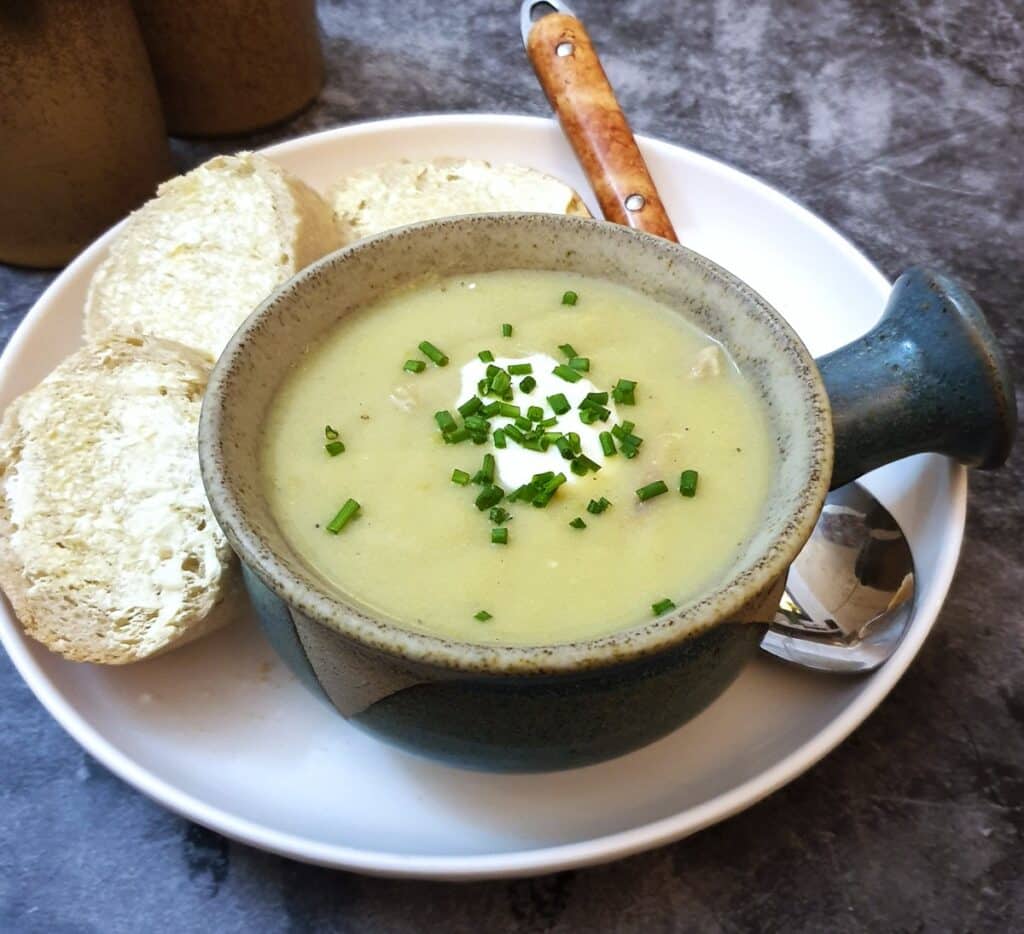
column 427, row 550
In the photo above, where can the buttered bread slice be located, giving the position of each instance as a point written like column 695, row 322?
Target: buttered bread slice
column 108, row 549
column 397, row 193
column 192, row 263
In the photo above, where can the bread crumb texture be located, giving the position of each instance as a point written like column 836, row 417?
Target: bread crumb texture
column 402, row 192
column 191, row 264
column 109, row 551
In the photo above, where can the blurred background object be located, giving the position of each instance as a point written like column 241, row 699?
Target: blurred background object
column 82, row 139
column 229, row 66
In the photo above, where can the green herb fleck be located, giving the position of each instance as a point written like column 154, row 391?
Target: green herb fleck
column 432, row 353
column 343, row 516
column 651, row 490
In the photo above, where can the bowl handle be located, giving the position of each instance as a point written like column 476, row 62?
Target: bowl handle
column 928, row 377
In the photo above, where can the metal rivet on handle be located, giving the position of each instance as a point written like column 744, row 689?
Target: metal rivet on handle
column 563, row 49
column 635, row 202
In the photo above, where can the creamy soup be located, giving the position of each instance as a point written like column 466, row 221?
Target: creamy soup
column 628, row 489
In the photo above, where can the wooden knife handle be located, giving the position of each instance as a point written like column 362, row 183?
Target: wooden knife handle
column 572, row 77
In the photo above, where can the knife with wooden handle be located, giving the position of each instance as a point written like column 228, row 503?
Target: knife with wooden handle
column 570, row 72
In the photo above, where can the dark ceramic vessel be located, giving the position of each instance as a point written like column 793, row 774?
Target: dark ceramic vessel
column 558, row 706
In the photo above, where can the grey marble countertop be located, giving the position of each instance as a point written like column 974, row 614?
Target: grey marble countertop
column 899, row 121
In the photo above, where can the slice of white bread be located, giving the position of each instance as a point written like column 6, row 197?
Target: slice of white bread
column 396, row 193
column 108, row 549
column 192, row 263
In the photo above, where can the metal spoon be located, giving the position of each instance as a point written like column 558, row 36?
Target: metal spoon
column 850, row 593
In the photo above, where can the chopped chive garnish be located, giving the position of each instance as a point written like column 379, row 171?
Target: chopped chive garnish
column 564, row 448
column 629, row 451
column 578, row 523
column 471, row 405
column 596, row 506
column 509, row 410
column 559, row 404
column 520, row 369
column 445, row 421
column 431, row 352
column 486, row 356
column 523, row 423
column 582, row 465
column 492, row 371
column 547, row 423
column 651, row 490
column 479, row 437
column 580, row 363
column 662, row 606
column 534, row 444
column 499, row 438
column 334, row 448
column 535, row 413
column 607, row 443
column 514, row 433
column 622, row 392
column 588, row 416
column 499, row 536
column 483, row 386
column 547, row 489
column 499, row 516
column 460, row 477
column 491, row 409
column 489, row 496
column 528, row 384
column 628, row 427
column 568, row 350
column 688, row 483
column 569, row 298
column 567, row 373
column 331, row 434
column 551, row 437
column 414, row 366
column 343, row 516
column 482, row 616
column 574, row 440
column 487, row 470
column 457, row 436
column 506, row 330
column 601, row 398
column 477, row 423
column 501, row 382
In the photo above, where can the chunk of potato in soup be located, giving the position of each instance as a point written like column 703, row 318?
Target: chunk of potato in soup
column 420, row 551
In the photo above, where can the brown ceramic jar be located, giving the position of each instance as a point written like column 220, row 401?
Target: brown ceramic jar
column 230, row 66
column 82, row 139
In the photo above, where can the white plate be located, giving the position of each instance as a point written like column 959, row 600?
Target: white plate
column 221, row 733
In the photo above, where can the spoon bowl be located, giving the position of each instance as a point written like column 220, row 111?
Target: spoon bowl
column 850, row 593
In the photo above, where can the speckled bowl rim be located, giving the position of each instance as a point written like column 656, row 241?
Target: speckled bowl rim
column 697, row 616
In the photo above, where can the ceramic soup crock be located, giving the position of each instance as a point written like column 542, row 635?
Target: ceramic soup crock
column 928, row 377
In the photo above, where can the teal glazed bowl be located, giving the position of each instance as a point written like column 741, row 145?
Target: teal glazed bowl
column 932, row 372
